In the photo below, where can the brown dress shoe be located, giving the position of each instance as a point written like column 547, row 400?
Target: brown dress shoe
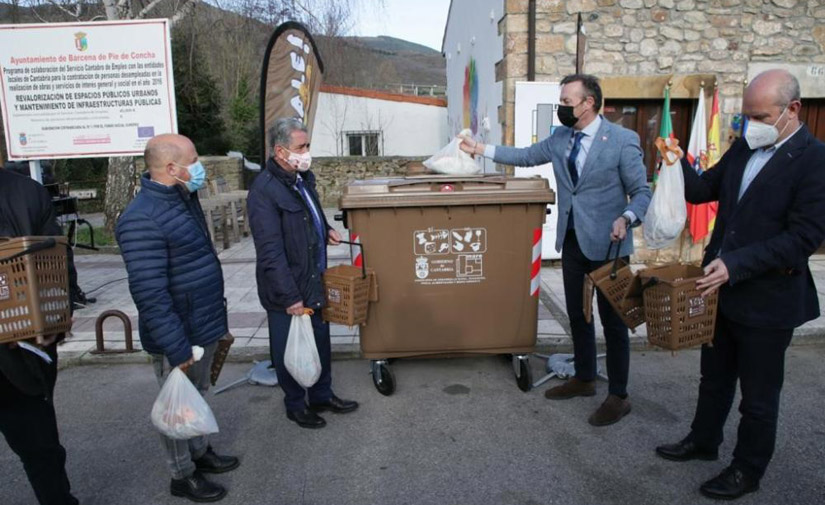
column 571, row 389
column 611, row 411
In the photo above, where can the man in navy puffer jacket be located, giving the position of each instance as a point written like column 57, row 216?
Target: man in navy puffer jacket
column 176, row 281
column 291, row 236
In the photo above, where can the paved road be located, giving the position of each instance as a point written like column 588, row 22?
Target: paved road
column 457, row 431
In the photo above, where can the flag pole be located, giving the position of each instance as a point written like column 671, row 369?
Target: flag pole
column 665, row 117
column 743, row 122
column 686, row 232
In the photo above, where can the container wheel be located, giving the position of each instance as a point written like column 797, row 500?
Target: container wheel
column 524, row 376
column 383, row 378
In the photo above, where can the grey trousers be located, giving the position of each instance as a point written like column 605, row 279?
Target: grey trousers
column 181, row 453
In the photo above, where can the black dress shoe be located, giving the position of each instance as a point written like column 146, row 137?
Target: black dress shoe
column 731, row 484
column 686, row 450
column 336, row 405
column 213, row 463
column 197, row 488
column 306, row 418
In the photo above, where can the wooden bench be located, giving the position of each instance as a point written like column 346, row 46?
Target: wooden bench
column 217, row 218
column 236, row 201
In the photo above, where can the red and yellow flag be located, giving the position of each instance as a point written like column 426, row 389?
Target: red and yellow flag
column 703, row 217
column 714, row 152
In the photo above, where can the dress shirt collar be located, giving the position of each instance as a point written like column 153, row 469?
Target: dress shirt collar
column 591, row 129
column 778, row 145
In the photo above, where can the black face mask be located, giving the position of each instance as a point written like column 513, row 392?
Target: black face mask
column 566, row 115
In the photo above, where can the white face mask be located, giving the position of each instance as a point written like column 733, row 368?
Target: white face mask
column 760, row 134
column 300, row 162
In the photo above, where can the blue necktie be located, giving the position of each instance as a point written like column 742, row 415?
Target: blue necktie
column 571, row 167
column 571, row 160
column 316, row 220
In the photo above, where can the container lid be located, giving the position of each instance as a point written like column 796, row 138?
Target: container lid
column 445, row 190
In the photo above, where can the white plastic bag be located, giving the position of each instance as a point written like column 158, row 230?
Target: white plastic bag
column 452, row 160
column 301, row 355
column 667, row 213
column 180, row 412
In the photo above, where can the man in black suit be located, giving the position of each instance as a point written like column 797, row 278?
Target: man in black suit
column 771, row 219
column 27, row 417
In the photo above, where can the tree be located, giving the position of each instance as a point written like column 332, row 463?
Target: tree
column 121, row 175
column 198, row 99
column 243, row 115
column 335, row 125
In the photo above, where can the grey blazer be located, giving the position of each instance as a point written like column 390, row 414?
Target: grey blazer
column 612, row 181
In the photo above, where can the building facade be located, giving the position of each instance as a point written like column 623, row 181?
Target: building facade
column 637, row 48
column 362, row 122
column 472, row 46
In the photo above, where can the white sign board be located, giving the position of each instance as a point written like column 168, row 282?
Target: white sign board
column 73, row 90
column 83, row 194
column 810, row 76
column 529, row 95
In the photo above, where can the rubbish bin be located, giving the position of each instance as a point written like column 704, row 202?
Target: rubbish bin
column 457, row 260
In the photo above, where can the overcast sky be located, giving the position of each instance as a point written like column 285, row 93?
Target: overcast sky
column 420, row 21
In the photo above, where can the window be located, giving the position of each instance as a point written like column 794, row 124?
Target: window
column 363, row 143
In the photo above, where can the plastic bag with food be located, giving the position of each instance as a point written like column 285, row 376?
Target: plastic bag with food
column 180, row 412
column 301, row 355
column 667, row 213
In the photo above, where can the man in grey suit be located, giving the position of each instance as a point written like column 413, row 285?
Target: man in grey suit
column 602, row 191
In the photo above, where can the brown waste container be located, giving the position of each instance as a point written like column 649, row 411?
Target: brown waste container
column 457, row 261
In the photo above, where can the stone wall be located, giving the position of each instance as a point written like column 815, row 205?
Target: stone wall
column 231, row 169
column 333, row 173
column 660, row 37
column 653, row 41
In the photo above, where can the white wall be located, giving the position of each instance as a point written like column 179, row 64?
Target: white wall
column 528, row 96
column 407, row 129
column 472, row 32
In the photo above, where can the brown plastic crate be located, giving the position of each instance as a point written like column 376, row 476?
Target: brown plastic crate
column 615, row 288
column 34, row 288
column 347, row 291
column 677, row 315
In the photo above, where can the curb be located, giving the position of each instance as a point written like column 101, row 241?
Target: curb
column 552, row 345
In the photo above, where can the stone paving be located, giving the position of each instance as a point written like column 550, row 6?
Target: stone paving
column 103, row 276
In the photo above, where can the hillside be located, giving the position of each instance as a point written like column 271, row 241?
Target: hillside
column 363, row 62
column 380, row 62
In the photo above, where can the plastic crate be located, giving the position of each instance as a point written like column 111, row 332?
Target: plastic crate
column 677, row 315
column 614, row 280
column 347, row 290
column 34, row 288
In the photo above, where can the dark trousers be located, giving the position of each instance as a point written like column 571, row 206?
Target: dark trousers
column 575, row 265
column 756, row 357
column 29, row 425
column 295, row 394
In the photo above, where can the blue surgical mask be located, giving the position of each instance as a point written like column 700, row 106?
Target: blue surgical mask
column 197, row 177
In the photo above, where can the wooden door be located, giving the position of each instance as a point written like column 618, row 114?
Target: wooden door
column 813, row 115
column 644, row 117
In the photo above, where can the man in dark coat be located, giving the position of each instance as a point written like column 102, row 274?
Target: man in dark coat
column 176, row 281
column 291, row 236
column 771, row 219
column 27, row 417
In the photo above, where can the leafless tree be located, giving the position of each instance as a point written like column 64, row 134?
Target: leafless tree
column 336, row 122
